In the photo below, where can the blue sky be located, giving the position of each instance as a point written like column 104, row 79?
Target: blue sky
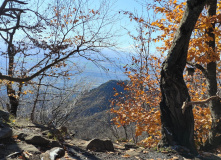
column 128, row 5
column 125, row 41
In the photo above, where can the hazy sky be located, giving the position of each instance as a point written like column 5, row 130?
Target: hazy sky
column 124, row 25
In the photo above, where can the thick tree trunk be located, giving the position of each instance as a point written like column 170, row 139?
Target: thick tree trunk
column 214, row 135
column 178, row 127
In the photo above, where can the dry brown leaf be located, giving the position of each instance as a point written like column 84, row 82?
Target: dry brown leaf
column 15, row 136
column 125, row 156
column 21, row 157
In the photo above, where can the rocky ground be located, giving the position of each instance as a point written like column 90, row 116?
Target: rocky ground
column 21, row 139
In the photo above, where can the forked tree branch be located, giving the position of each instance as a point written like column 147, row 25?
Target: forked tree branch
column 187, row 104
column 198, row 66
column 25, row 79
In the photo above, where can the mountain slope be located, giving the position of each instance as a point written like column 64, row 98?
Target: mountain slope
column 98, row 99
column 92, row 118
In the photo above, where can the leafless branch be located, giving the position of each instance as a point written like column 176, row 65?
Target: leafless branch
column 198, row 66
column 187, row 104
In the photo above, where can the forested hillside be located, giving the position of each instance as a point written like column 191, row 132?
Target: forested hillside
column 167, row 50
column 92, row 118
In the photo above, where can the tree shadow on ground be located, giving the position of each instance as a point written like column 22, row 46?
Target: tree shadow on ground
column 79, row 154
column 212, row 157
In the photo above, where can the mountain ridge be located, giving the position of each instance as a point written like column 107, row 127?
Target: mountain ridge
column 92, row 112
column 98, row 99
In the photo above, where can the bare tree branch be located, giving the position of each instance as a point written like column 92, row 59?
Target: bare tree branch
column 200, row 67
column 187, row 104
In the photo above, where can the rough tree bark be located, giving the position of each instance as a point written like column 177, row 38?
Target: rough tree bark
column 214, row 138
column 10, row 91
column 178, row 127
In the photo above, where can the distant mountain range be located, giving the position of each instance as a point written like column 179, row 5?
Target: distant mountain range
column 92, row 118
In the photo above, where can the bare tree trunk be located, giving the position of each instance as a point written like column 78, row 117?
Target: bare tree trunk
column 214, row 135
column 14, row 102
column 36, row 99
column 178, row 127
column 125, row 132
